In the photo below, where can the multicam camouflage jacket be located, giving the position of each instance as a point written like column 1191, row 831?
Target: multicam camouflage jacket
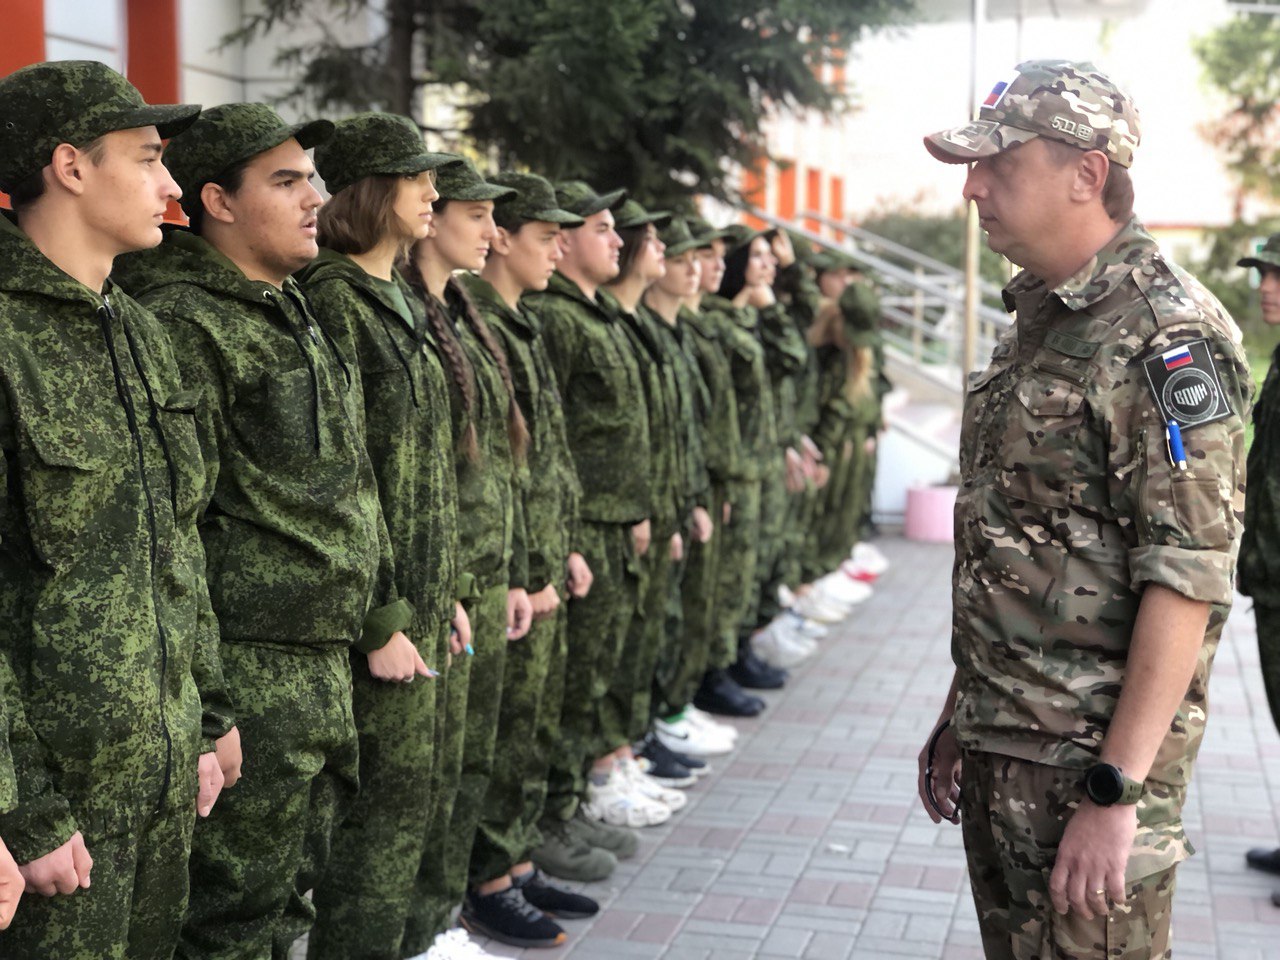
column 604, row 402
column 294, row 533
column 551, row 491
column 1260, row 546
column 1069, row 507
column 757, row 419
column 104, row 617
column 379, row 325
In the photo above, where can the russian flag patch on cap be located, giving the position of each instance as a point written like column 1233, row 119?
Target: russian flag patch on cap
column 1177, row 357
column 997, row 92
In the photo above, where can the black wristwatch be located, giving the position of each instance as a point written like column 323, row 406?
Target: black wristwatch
column 1106, row 785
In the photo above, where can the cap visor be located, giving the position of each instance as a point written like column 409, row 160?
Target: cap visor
column 1259, row 261
column 683, row 247
column 974, row 140
column 605, row 201
column 562, row 217
column 310, row 134
column 480, row 192
column 169, row 119
column 423, row 161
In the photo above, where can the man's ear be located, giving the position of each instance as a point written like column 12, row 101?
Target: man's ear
column 66, row 169
column 501, row 242
column 216, row 202
column 563, row 242
column 1091, row 176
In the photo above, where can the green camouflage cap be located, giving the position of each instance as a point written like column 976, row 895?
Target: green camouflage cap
column 225, row 135
column 824, row 261
column 1059, row 99
column 704, row 232
column 460, row 180
column 75, row 102
column 1268, row 255
column 631, row 214
column 738, row 235
column 802, row 246
column 366, row 144
column 678, row 239
column 576, row 196
column 861, row 311
column 534, row 199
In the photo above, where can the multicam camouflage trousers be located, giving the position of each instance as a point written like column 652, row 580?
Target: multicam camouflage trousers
column 266, row 842
column 363, row 901
column 1011, row 833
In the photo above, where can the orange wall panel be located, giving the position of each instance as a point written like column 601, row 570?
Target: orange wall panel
column 786, row 208
column 813, row 198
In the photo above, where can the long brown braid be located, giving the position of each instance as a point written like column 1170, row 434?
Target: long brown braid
column 517, row 428
column 459, row 368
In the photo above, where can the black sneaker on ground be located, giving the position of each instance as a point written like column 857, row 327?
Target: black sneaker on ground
column 720, row 694
column 754, row 674
column 1263, row 858
column 658, row 753
column 509, row 917
column 552, row 900
column 661, row 764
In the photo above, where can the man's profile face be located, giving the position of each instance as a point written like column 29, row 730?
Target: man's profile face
column 712, row 260
column 532, row 253
column 1021, row 195
column 128, row 189
column 594, row 247
column 1269, row 288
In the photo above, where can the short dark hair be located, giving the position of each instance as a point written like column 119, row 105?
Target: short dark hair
column 1117, row 192
column 508, row 219
column 230, row 180
column 32, row 187
column 356, row 218
column 632, row 243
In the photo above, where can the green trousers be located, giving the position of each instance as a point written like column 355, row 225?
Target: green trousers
column 267, row 840
column 365, row 896
column 590, row 723
column 736, row 569
column 135, row 907
column 771, row 559
column 631, row 686
column 473, row 698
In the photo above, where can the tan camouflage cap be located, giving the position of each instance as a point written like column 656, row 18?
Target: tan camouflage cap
column 1059, row 99
column 534, row 200
column 1268, row 255
column 578, row 197
column 372, row 143
column 225, row 135
column 75, row 102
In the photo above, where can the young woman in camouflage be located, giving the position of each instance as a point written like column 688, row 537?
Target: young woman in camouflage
column 490, row 438
column 382, row 181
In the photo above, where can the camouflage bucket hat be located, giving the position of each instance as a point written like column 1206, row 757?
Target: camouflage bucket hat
column 576, row 196
column 738, row 235
column 225, row 135
column 678, row 239
column 631, row 214
column 1268, row 255
column 460, row 180
column 72, row 101
column 374, row 143
column 534, row 199
column 1058, row 99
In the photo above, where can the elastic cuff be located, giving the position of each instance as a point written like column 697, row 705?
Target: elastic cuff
column 382, row 624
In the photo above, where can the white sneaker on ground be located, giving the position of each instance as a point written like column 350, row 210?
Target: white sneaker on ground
column 650, row 788
column 823, row 609
column 841, row 590
column 869, row 557
column 781, row 645
column 619, row 804
column 455, row 944
column 812, row 629
column 703, row 721
column 786, row 597
column 679, row 735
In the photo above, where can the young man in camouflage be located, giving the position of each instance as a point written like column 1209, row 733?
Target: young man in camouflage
column 1096, row 532
column 294, row 532
column 115, row 699
column 1260, row 546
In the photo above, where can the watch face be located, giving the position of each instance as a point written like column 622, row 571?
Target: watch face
column 1104, row 784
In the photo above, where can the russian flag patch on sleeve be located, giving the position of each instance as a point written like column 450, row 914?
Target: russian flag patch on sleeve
column 1177, row 357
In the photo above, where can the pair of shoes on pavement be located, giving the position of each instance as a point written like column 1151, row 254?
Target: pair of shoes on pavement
column 582, row 849
column 752, row 673
column 720, row 694
column 670, row 768
column 522, row 915
column 1267, row 860
column 783, row 643
column 693, row 734
column 627, row 797
column 455, row 944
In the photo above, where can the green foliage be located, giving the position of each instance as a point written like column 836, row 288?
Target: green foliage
column 1241, row 60
column 939, row 237
column 1231, row 285
column 661, row 96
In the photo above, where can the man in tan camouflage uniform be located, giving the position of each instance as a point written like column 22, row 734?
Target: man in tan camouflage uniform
column 1094, row 554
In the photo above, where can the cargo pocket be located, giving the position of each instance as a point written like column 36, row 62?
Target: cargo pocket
column 1040, row 443
column 1201, row 511
column 178, row 423
column 277, row 419
column 71, row 492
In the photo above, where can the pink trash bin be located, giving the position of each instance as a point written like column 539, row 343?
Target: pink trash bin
column 929, row 514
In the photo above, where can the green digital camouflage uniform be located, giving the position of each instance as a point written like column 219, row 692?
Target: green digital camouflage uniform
column 535, row 681
column 110, row 684
column 721, row 445
column 106, row 622
column 364, row 899
column 294, row 537
column 1260, row 545
column 604, row 405
column 736, row 593
column 1069, row 507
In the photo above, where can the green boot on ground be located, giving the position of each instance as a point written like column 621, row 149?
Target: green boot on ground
column 562, row 854
column 622, row 842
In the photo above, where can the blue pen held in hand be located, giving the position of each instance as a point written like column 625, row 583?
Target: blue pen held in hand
column 1177, row 455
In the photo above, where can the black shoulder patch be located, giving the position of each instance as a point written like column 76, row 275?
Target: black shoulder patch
column 1186, row 386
